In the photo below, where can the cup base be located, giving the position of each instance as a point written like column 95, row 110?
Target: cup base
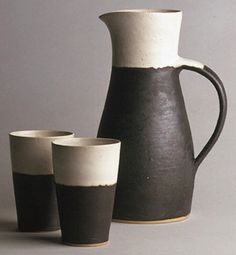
column 86, row 244
column 172, row 220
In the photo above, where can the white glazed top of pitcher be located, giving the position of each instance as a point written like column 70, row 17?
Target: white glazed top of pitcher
column 146, row 38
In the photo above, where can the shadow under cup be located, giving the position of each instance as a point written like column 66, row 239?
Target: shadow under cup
column 86, row 172
column 33, row 179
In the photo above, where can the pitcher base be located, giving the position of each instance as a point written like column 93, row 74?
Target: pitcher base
column 182, row 218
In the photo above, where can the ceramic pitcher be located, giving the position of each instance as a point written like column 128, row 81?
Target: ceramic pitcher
column 145, row 110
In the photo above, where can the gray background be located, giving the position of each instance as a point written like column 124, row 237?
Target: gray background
column 55, row 61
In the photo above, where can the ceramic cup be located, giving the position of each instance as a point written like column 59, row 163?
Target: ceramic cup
column 33, row 179
column 86, row 172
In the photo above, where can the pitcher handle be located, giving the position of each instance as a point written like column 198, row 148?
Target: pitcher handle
column 208, row 73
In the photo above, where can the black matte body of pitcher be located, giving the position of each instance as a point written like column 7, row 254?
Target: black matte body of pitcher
column 146, row 111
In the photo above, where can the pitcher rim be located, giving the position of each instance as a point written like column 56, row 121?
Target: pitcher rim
column 142, row 11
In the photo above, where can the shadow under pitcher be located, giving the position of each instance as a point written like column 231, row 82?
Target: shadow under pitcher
column 145, row 109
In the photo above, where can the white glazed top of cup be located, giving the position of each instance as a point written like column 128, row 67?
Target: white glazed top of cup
column 31, row 151
column 86, row 161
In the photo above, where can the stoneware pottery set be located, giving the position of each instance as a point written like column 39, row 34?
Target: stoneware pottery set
column 141, row 168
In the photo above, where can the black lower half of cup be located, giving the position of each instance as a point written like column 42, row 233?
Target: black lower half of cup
column 36, row 202
column 85, row 213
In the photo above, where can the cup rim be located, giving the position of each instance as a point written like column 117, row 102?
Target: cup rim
column 41, row 133
column 143, row 11
column 77, row 142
